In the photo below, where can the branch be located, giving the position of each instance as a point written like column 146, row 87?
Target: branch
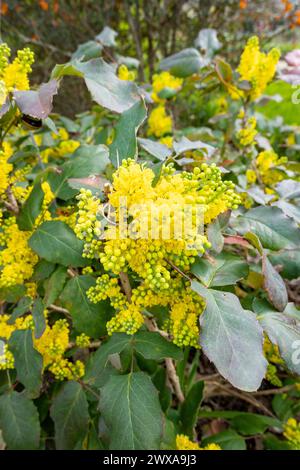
column 126, row 285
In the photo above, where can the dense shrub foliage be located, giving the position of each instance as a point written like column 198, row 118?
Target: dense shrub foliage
column 150, row 253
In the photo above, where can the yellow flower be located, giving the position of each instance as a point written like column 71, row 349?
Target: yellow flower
column 17, row 259
column 6, row 167
column 83, row 341
column 162, row 81
column 251, row 176
column 291, row 432
column 257, row 67
column 246, row 136
column 184, row 443
column 125, row 74
column 159, row 122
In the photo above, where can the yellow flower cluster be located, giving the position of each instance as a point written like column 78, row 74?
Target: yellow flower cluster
column 184, row 443
column 87, row 225
column 17, row 260
column 14, row 75
column 125, row 74
column 164, row 80
column 83, row 341
column 247, row 135
column 159, row 122
column 150, row 245
column 251, row 176
column 267, row 163
column 52, row 345
column 167, row 140
column 257, row 67
column 292, row 433
column 6, row 167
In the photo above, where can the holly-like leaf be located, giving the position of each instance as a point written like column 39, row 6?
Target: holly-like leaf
column 88, row 318
column 185, row 145
column 227, row 440
column 153, row 346
column 283, row 329
column 125, row 142
column 19, row 422
column 130, row 407
column 37, row 103
column 54, row 285
column 274, row 229
column 55, row 241
column 190, row 407
column 274, row 285
column 232, row 338
column 184, row 63
column 38, row 316
column 88, row 160
column 223, row 270
column 102, row 82
column 107, row 37
column 208, row 41
column 156, row 149
column 28, row 361
column 70, row 414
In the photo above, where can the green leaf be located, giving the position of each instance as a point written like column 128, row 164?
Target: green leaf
column 23, row 306
column 87, row 160
column 227, row 440
column 291, row 210
column 125, row 142
column 152, row 345
column 283, row 329
column 184, row 145
column 208, row 41
column 42, row 270
column 289, row 262
column 100, row 358
column 31, row 208
column 54, row 285
column 19, row 422
column 101, row 80
column 130, row 407
column 38, row 318
column 107, row 37
column 232, row 338
column 88, row 50
column 250, row 423
column 55, row 241
column 274, row 285
column 69, row 412
column 183, row 63
column 37, row 103
column 190, row 407
column 274, row 229
column 224, row 270
column 156, row 149
column 88, row 318
column 28, row 361
column 272, row 442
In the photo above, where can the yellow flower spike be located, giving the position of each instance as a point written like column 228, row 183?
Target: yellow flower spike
column 257, row 67
column 291, row 432
column 159, row 122
column 164, row 80
column 247, row 135
column 251, row 176
column 184, row 443
column 125, row 74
